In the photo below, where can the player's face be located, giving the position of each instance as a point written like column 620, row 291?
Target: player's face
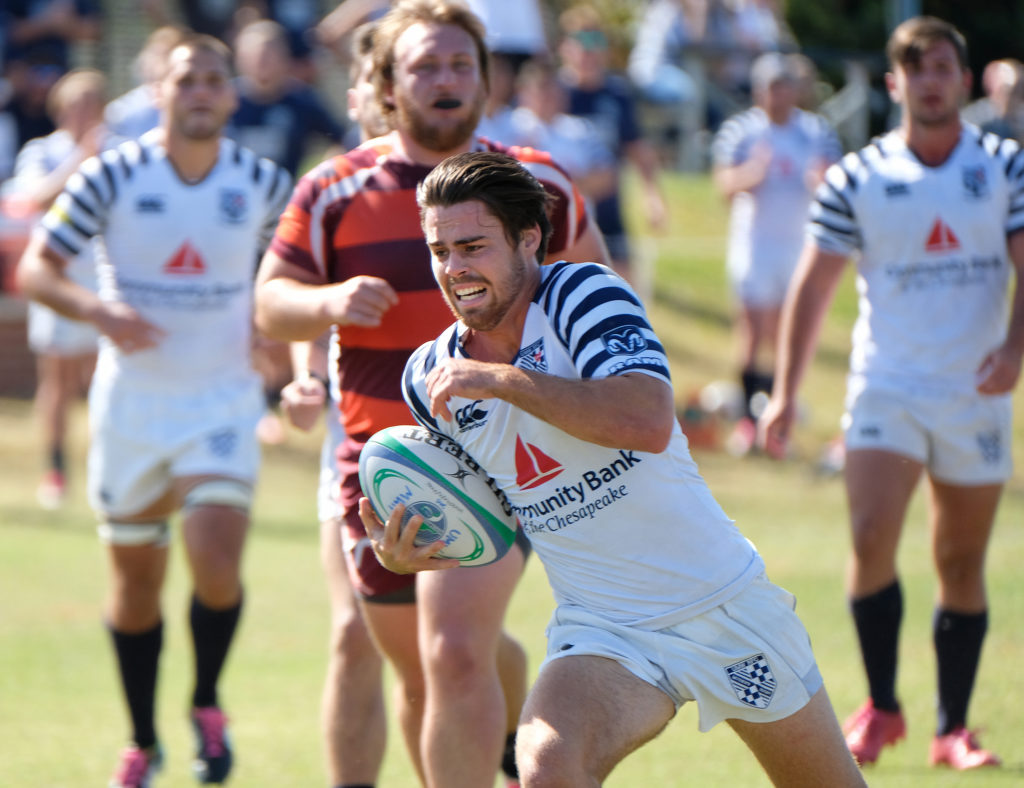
column 486, row 280
column 932, row 90
column 437, row 88
column 197, row 96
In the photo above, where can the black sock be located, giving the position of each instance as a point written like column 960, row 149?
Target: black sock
column 354, row 785
column 57, row 459
column 766, row 382
column 877, row 618
column 138, row 657
column 508, row 758
column 958, row 638
column 212, row 633
column 749, row 378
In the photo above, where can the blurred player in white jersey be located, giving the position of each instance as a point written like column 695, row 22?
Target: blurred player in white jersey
column 661, row 600
column 768, row 160
column 932, row 213
column 181, row 215
column 354, row 717
column 65, row 349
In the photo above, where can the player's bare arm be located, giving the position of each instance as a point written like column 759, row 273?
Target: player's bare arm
column 631, row 411
column 41, row 277
column 395, row 547
column 1000, row 369
column 293, row 305
column 746, row 175
column 810, row 293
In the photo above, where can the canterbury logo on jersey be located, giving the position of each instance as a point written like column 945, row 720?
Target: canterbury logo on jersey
column 186, row 261
column 470, row 416
column 150, row 203
column 941, row 238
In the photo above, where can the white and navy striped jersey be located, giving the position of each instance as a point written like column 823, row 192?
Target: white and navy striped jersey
column 766, row 225
column 38, row 158
column 931, row 255
column 633, row 536
column 183, row 255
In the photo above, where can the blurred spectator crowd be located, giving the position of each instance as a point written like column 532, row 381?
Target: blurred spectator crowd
column 600, row 86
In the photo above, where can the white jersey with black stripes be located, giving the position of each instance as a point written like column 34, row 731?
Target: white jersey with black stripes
column 595, row 515
column 931, row 254
column 183, row 255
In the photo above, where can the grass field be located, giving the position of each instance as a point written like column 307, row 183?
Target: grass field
column 61, row 721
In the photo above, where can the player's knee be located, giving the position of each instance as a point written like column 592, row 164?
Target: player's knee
column 233, row 493
column 544, row 761
column 458, row 659
column 350, row 638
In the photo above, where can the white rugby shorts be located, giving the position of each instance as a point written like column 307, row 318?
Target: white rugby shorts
column 142, row 440
column 328, row 493
column 51, row 334
column 960, row 438
column 749, row 658
column 763, row 284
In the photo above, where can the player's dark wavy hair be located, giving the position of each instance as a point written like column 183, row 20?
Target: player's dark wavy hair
column 911, row 39
column 510, row 192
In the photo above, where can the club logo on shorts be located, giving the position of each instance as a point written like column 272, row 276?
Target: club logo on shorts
column 222, row 444
column 752, row 681
column 991, row 446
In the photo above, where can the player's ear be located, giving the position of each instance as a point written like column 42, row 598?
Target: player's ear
column 890, row 87
column 530, row 240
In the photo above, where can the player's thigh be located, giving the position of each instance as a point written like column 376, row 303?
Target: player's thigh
column 803, row 749
column 465, row 607
column 332, row 559
column 962, row 517
column 393, row 629
column 585, row 714
column 879, row 485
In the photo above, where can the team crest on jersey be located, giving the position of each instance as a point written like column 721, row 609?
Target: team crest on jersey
column 532, row 357
column 533, row 466
column 624, row 341
column 976, row 182
column 234, row 207
column 752, row 680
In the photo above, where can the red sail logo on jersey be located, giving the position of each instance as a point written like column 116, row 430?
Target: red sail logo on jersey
column 941, row 238
column 185, row 261
column 534, row 467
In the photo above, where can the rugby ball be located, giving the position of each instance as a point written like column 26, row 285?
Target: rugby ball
column 435, row 478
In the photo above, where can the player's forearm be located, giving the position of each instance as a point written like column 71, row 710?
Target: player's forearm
column 807, row 301
column 624, row 412
column 1015, row 329
column 40, row 277
column 291, row 311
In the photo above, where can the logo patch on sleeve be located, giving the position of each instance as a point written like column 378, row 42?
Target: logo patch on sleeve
column 752, row 681
column 624, row 341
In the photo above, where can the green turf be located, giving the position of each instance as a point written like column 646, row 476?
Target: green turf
column 61, row 720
